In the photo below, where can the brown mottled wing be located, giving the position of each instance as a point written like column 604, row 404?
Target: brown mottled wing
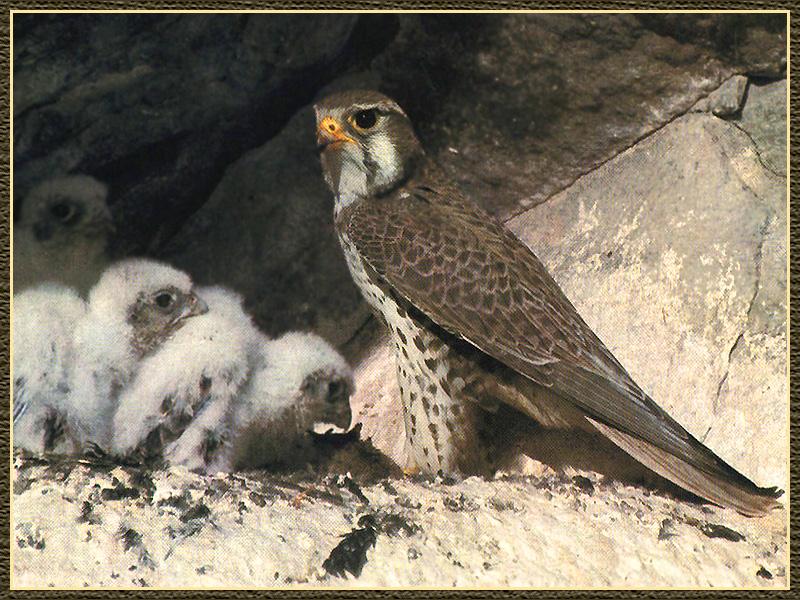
column 475, row 279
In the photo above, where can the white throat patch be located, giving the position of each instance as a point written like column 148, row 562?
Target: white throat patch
column 352, row 184
column 383, row 152
column 354, row 180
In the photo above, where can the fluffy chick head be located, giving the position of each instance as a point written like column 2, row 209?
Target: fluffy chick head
column 152, row 298
column 308, row 371
column 61, row 210
column 189, row 382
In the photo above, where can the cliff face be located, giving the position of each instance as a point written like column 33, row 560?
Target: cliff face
column 196, row 122
column 643, row 159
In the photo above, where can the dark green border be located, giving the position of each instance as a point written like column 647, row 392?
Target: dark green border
column 794, row 225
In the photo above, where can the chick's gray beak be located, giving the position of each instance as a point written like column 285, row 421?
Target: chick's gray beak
column 338, row 402
column 193, row 307
column 197, row 306
column 43, row 230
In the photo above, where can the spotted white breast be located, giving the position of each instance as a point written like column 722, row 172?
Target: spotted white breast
column 441, row 428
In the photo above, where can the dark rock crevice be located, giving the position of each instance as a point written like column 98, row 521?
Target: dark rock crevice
column 764, row 163
column 724, row 378
column 158, row 124
column 762, row 233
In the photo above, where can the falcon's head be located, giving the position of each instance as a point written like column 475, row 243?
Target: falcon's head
column 66, row 210
column 152, row 298
column 367, row 144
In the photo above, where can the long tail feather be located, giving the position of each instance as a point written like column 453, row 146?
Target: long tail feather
column 752, row 503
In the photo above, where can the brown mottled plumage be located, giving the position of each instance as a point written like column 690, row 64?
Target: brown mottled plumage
column 475, row 317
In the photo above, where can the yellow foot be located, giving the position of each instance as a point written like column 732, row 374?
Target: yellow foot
column 297, row 501
column 411, row 470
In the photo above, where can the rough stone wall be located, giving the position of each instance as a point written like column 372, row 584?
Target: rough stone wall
column 624, row 150
column 196, row 122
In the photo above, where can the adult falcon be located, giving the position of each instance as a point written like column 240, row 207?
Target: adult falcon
column 475, row 318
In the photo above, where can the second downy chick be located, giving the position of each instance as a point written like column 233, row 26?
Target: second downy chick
column 221, row 396
column 182, row 395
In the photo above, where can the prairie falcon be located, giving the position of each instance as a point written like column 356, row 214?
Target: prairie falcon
column 475, row 318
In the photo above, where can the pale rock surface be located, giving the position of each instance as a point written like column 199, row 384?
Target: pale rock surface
column 663, row 252
column 124, row 528
column 726, row 100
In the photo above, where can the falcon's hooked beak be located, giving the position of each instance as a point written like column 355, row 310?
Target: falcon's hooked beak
column 329, row 131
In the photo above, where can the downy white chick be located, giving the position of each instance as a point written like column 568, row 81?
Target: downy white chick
column 185, row 390
column 301, row 380
column 62, row 233
column 43, row 323
column 133, row 309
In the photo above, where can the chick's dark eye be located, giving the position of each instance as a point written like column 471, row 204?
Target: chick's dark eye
column 365, row 119
column 61, row 211
column 164, row 299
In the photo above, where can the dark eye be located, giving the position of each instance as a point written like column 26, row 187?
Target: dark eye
column 364, row 119
column 164, row 299
column 61, row 211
